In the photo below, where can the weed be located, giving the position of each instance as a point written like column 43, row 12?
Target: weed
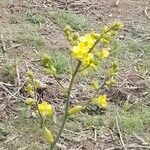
column 131, row 123
column 8, row 72
column 19, row 130
column 60, row 62
column 34, row 39
column 63, row 18
column 35, row 18
column 135, row 120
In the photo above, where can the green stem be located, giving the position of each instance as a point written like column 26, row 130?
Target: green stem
column 66, row 106
column 84, row 68
column 35, row 97
column 42, row 123
column 101, row 36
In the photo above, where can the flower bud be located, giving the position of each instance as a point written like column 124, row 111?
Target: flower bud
column 29, row 101
column 48, row 135
column 103, row 53
column 30, row 74
column 117, row 25
column 74, row 110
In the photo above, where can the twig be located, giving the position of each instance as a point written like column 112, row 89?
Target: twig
column 3, row 44
column 95, row 135
column 88, row 8
column 120, row 134
column 133, row 146
column 145, row 11
column 17, row 91
column 111, row 134
column 14, row 46
column 5, row 89
column 7, row 84
column 117, row 2
column 142, row 141
column 18, row 75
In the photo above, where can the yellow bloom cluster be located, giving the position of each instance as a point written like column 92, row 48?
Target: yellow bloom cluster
column 82, row 50
column 85, row 50
column 100, row 101
column 45, row 109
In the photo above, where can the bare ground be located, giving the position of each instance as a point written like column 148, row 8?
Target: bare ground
column 132, row 13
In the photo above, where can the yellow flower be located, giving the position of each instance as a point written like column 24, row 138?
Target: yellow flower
column 48, row 136
column 45, row 109
column 79, row 51
column 88, row 39
column 29, row 101
column 74, row 110
column 100, row 101
column 103, row 53
column 88, row 59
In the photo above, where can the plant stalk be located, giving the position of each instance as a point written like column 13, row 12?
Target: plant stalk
column 66, row 106
column 35, row 97
column 69, row 91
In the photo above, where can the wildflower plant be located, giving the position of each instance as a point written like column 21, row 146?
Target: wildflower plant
column 87, row 51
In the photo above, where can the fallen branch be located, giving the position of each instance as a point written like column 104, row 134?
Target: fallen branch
column 142, row 141
column 146, row 13
column 13, row 95
column 120, row 134
column 133, row 146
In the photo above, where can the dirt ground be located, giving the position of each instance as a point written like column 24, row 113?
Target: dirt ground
column 21, row 40
column 130, row 12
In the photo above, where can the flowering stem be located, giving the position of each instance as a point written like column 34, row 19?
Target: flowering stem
column 66, row 106
column 69, row 91
column 42, row 122
column 35, row 97
column 101, row 36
